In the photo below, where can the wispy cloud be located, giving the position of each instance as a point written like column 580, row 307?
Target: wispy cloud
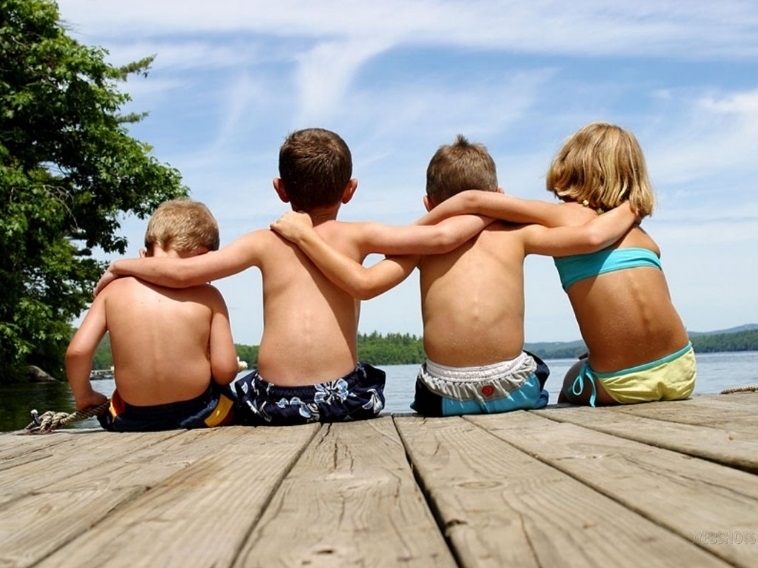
column 397, row 79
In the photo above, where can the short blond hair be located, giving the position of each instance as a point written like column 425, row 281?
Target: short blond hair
column 602, row 165
column 183, row 225
column 460, row 166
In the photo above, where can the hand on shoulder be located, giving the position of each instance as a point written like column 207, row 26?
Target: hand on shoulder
column 107, row 277
column 293, row 225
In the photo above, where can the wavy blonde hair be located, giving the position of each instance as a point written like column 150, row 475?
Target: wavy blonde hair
column 602, row 165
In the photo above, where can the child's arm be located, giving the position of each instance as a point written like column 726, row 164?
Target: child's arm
column 186, row 272
column 394, row 239
column 79, row 356
column 224, row 363
column 597, row 234
column 358, row 281
column 496, row 205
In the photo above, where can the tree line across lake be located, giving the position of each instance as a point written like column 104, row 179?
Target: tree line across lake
column 407, row 349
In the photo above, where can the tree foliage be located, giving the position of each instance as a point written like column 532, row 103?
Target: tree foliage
column 406, row 349
column 69, row 172
column 725, row 342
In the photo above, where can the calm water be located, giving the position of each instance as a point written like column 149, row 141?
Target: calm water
column 716, row 371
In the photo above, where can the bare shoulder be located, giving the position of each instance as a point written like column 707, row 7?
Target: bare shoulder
column 206, row 294
column 254, row 238
column 638, row 237
column 345, row 232
column 122, row 285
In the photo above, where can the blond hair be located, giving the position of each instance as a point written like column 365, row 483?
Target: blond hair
column 183, row 225
column 601, row 166
column 460, row 166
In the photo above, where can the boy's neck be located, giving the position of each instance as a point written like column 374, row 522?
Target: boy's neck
column 323, row 214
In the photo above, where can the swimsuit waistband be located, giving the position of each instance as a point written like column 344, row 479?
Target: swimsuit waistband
column 645, row 366
column 493, row 371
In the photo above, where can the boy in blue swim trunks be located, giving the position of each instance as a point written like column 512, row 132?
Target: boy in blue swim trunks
column 472, row 298
column 173, row 352
column 638, row 347
column 307, row 361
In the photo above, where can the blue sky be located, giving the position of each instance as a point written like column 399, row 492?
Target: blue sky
column 398, row 78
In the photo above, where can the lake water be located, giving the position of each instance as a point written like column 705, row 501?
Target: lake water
column 716, row 372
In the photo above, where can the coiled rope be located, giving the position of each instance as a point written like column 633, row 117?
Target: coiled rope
column 746, row 388
column 51, row 420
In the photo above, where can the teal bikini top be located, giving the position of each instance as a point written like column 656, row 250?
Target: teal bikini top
column 578, row 267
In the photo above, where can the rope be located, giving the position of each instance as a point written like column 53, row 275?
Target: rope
column 746, row 388
column 51, row 420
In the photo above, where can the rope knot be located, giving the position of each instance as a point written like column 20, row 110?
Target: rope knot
column 51, row 420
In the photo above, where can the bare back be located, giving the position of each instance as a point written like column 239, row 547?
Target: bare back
column 311, row 325
column 472, row 300
column 626, row 317
column 160, row 340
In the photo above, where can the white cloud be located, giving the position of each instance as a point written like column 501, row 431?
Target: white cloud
column 581, row 27
column 396, row 79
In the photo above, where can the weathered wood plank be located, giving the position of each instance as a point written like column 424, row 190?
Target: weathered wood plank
column 200, row 515
column 715, row 443
column 34, row 526
column 502, row 507
column 13, row 445
column 686, row 495
column 71, row 454
column 350, row 500
column 736, row 413
column 149, row 465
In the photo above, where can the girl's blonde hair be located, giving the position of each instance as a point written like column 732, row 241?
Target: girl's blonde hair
column 601, row 166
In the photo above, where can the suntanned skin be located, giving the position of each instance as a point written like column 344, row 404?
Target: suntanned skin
column 472, row 298
column 626, row 317
column 167, row 344
column 310, row 324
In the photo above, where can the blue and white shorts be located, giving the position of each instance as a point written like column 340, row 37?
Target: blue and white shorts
column 500, row 387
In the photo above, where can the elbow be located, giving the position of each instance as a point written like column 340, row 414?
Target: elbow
column 444, row 240
column 224, row 374
column 470, row 199
column 365, row 289
column 596, row 241
column 366, row 292
column 75, row 354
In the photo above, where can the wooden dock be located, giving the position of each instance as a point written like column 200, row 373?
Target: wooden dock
column 659, row 484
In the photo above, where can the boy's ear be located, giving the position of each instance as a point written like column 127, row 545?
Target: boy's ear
column 429, row 203
column 350, row 188
column 142, row 253
column 500, row 190
column 281, row 191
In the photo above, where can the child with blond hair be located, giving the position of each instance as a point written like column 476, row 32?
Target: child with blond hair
column 173, row 353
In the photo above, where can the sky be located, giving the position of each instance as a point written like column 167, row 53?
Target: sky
column 398, row 78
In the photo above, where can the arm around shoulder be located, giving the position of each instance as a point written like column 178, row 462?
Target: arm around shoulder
column 595, row 235
column 497, row 205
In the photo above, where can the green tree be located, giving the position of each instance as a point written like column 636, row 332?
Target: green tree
column 69, row 171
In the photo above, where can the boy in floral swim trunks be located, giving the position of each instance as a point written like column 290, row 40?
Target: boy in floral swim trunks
column 472, row 298
column 307, row 362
